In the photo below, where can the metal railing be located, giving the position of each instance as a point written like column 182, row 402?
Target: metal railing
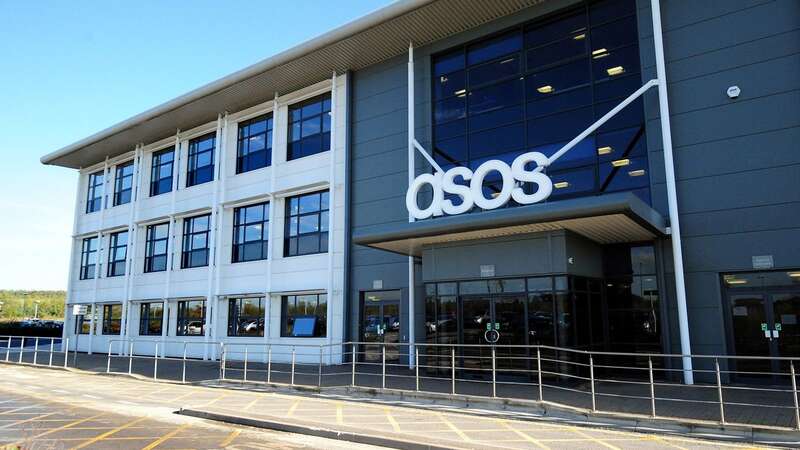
column 728, row 391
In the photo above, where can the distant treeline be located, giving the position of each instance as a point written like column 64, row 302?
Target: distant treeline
column 18, row 305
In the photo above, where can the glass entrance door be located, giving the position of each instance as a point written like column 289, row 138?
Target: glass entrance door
column 785, row 311
column 509, row 320
column 380, row 325
column 749, row 315
column 476, row 315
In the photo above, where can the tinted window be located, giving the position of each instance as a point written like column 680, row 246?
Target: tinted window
column 246, row 317
column 123, row 183
column 195, row 241
column 94, row 194
column 254, row 144
column 200, row 168
column 304, row 315
column 161, row 172
column 155, row 257
column 250, row 232
column 306, row 224
column 309, row 127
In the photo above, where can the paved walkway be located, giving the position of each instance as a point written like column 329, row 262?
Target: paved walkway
column 427, row 426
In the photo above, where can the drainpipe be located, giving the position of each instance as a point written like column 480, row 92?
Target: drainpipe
column 672, row 196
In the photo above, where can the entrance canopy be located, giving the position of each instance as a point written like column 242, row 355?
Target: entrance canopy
column 605, row 219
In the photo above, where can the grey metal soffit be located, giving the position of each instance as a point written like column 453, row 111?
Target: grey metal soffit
column 376, row 37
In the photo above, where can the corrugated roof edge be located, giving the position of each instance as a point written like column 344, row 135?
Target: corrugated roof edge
column 356, row 26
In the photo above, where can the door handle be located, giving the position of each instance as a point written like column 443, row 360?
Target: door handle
column 775, row 334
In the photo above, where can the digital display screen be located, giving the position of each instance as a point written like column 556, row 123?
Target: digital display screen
column 304, row 326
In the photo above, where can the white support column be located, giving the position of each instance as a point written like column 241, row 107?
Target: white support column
column 216, row 237
column 331, row 208
column 411, row 171
column 672, row 196
column 69, row 319
column 271, row 225
column 129, row 252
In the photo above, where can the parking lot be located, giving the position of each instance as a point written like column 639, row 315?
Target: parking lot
column 46, row 408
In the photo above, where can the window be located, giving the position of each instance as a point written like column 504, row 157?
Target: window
column 306, row 224
column 536, row 87
column 304, row 315
column 117, row 253
column 151, row 318
column 191, row 318
column 195, row 241
column 201, row 160
column 155, row 252
column 94, row 196
column 246, row 317
column 309, row 127
column 83, row 322
column 250, row 232
column 88, row 258
column 161, row 172
column 254, row 145
column 112, row 319
column 123, row 183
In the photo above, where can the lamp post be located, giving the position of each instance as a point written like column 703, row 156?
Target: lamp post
column 36, row 309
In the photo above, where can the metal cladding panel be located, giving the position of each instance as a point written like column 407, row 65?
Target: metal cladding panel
column 372, row 39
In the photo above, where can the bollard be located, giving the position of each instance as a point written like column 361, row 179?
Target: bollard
column 21, row 349
column 416, row 366
column 50, row 359
column 36, row 350
column 245, row 363
column 269, row 364
column 353, row 366
column 130, row 359
column 494, row 372
column 383, row 366
column 66, row 352
column 539, row 370
column 108, row 359
column 183, row 371
column 155, row 364
column 453, row 370
column 293, row 355
column 794, row 396
column 719, row 391
column 652, row 388
column 591, row 377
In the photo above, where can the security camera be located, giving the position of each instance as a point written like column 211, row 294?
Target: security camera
column 733, row 92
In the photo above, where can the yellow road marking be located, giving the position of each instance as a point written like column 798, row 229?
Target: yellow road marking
column 20, row 422
column 523, row 435
column 454, row 428
column 215, row 400
column 63, row 427
column 667, row 442
column 390, row 418
column 339, row 414
column 165, row 437
column 251, row 404
column 292, row 408
column 109, row 433
column 593, row 439
column 230, row 438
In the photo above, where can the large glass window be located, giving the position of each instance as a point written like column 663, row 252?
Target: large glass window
column 254, row 144
column 250, row 232
column 155, row 252
column 200, row 167
column 112, row 319
column 246, row 317
column 83, row 322
column 191, row 318
column 151, row 318
column 306, row 224
column 304, row 315
column 309, row 127
column 94, row 194
column 195, row 241
column 536, row 87
column 161, row 171
column 123, row 183
column 117, row 253
column 88, row 258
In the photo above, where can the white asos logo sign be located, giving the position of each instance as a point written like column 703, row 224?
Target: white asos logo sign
column 472, row 194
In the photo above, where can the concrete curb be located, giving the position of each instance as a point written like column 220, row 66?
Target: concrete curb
column 299, row 427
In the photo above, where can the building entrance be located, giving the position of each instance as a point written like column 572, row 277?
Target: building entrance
column 764, row 309
column 380, row 325
column 488, row 320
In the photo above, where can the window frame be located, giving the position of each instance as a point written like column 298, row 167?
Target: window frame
column 187, row 248
column 325, row 142
column 321, row 315
column 238, row 255
column 149, row 247
column 119, row 178
column 289, row 215
column 84, row 319
column 235, row 308
column 184, row 319
column 94, row 200
column 113, row 262
column 243, row 137
column 86, row 253
column 108, row 310
column 194, row 154
column 155, row 171
column 145, row 317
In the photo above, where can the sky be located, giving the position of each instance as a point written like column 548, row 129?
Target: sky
column 70, row 69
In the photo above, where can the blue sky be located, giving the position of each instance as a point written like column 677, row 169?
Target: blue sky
column 70, row 69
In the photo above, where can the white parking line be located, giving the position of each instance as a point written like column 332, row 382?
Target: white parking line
column 92, row 397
